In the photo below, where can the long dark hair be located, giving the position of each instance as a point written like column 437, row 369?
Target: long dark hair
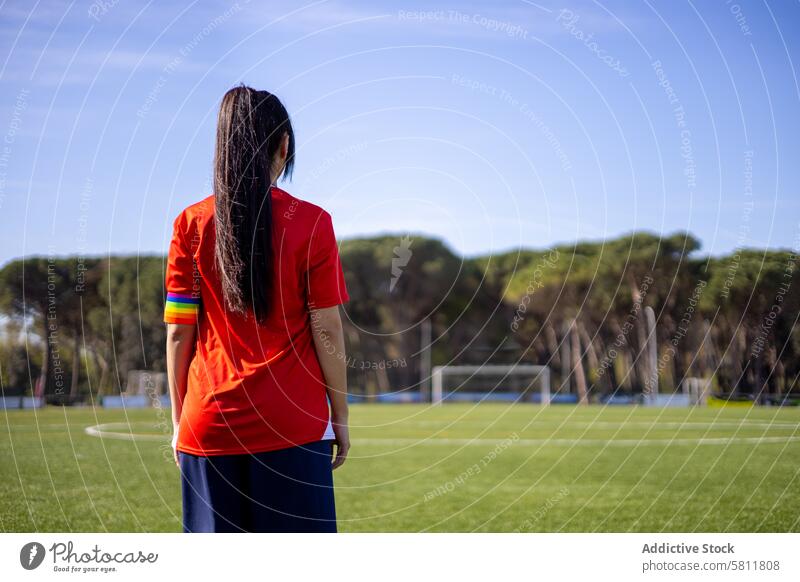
column 250, row 129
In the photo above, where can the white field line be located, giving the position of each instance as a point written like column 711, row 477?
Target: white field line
column 571, row 442
column 113, row 431
column 610, row 424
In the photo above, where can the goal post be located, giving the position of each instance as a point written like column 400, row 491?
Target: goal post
column 508, row 382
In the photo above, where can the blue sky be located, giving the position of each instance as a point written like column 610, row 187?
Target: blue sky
column 491, row 125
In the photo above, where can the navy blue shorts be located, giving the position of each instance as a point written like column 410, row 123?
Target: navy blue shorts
column 289, row 490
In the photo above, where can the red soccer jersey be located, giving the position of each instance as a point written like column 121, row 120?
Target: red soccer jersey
column 254, row 387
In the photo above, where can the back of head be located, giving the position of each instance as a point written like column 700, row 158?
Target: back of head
column 253, row 129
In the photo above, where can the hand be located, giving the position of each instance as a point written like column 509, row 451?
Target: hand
column 175, row 444
column 342, row 432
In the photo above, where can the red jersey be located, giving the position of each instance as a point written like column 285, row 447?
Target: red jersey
column 254, row 387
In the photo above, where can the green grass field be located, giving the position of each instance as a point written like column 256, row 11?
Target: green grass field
column 456, row 467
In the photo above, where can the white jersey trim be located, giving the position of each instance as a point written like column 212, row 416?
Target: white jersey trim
column 328, row 434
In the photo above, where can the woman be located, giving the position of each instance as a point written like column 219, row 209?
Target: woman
column 255, row 349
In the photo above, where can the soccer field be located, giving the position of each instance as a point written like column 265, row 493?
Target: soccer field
column 455, row 467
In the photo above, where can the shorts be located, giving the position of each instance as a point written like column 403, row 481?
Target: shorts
column 288, row 490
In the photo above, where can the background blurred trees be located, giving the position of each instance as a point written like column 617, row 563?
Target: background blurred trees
column 72, row 328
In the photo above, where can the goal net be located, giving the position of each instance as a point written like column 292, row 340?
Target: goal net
column 504, row 382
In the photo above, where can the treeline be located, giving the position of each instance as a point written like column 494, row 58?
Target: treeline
column 75, row 326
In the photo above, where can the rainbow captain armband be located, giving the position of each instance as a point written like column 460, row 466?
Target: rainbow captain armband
column 181, row 308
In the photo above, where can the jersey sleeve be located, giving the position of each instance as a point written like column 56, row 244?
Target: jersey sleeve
column 325, row 282
column 182, row 278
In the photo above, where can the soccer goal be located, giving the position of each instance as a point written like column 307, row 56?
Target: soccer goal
column 498, row 382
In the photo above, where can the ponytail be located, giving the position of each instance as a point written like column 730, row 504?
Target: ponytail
column 250, row 129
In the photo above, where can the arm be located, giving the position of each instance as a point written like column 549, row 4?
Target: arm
column 180, row 350
column 326, row 327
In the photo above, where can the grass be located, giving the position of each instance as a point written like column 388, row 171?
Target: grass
column 456, row 467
